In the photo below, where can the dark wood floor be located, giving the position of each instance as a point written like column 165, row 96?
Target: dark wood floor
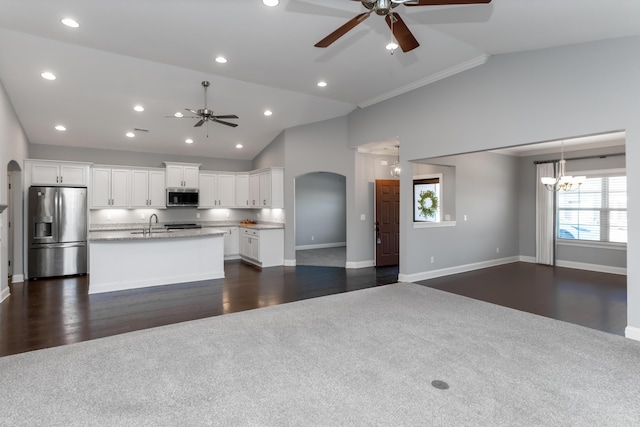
column 587, row 298
column 53, row 312
column 49, row 313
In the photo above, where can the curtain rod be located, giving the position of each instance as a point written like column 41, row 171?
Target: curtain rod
column 601, row 156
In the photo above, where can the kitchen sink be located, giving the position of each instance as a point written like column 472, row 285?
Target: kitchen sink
column 152, row 232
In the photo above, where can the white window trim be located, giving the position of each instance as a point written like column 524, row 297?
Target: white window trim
column 428, row 224
column 595, row 243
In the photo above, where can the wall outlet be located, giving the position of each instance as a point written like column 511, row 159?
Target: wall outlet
column 433, row 259
column 313, row 238
column 141, row 216
column 228, row 214
column 447, row 217
column 363, row 217
column 465, row 217
column 384, row 163
column 197, row 215
column 497, row 250
column 108, row 217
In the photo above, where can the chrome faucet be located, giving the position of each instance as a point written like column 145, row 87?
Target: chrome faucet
column 150, row 218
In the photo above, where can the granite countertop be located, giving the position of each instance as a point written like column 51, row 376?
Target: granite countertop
column 203, row 224
column 158, row 233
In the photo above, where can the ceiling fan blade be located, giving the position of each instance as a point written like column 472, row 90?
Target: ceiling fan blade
column 225, row 123
column 192, row 111
column 230, row 116
column 181, row 117
column 401, row 32
column 199, row 123
column 445, row 2
column 325, row 42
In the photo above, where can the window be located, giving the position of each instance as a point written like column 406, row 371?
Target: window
column 597, row 211
column 426, row 198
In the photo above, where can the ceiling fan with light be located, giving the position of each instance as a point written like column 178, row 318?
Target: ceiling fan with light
column 400, row 31
column 206, row 115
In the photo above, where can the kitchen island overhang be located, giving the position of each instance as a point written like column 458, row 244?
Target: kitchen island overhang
column 121, row 260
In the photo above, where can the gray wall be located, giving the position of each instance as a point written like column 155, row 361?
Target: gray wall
column 271, row 155
column 514, row 99
column 132, row 158
column 319, row 147
column 321, row 209
column 13, row 148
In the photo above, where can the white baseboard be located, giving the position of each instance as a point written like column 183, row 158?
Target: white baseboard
column 231, row 257
column 360, row 264
column 4, row 294
column 592, row 267
column 425, row 275
column 321, row 246
column 632, row 332
column 289, row 262
column 581, row 266
column 17, row 278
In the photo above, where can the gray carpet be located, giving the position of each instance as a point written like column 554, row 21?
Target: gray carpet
column 324, row 257
column 366, row 357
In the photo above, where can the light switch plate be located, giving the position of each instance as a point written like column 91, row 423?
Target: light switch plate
column 362, row 217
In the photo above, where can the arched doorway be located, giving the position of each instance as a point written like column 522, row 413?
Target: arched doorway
column 321, row 219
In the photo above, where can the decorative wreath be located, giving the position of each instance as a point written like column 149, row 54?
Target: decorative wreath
column 427, row 211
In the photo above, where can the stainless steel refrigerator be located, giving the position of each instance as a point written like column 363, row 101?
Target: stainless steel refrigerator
column 57, row 231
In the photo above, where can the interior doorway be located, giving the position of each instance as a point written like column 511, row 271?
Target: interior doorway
column 387, row 222
column 321, row 219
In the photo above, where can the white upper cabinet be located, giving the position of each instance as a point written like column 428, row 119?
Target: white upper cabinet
column 208, row 197
column 266, row 188
column 226, row 190
column 242, row 190
column 148, row 188
column 57, row 173
column 110, row 188
column 182, row 175
column 254, row 190
column 217, row 190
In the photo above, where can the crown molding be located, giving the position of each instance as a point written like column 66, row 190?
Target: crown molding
column 427, row 80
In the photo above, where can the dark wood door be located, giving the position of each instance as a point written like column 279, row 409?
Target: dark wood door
column 387, row 222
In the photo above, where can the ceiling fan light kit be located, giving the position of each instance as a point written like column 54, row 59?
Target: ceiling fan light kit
column 399, row 29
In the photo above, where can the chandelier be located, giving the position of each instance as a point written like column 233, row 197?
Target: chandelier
column 395, row 167
column 562, row 181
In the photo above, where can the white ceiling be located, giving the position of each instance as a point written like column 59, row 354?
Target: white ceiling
column 156, row 53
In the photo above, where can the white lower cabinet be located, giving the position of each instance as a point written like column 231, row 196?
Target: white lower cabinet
column 231, row 243
column 264, row 248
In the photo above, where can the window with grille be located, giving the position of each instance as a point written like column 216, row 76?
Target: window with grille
column 597, row 211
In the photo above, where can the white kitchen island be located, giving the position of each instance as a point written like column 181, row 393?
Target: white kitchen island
column 128, row 259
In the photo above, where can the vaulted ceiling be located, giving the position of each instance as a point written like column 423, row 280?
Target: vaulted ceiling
column 156, row 53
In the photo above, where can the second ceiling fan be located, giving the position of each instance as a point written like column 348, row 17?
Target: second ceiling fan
column 400, row 31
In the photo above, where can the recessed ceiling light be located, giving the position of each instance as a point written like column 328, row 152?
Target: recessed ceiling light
column 268, row 113
column 322, row 84
column 61, row 128
column 178, row 114
column 221, row 60
column 139, row 108
column 270, row 3
column 130, row 134
column 189, row 141
column 47, row 75
column 239, row 145
column 70, row 22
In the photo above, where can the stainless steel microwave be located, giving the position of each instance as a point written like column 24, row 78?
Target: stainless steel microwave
column 182, row 197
